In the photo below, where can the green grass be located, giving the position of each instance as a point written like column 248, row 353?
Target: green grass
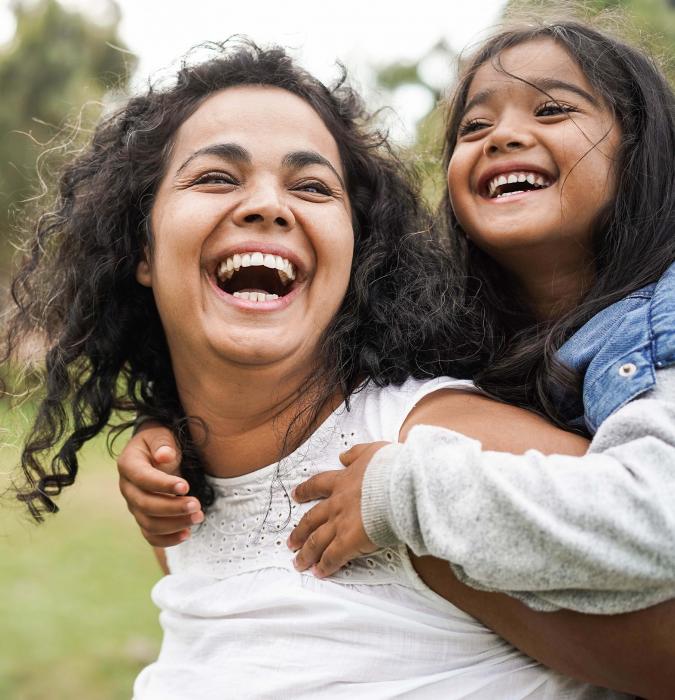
column 76, row 619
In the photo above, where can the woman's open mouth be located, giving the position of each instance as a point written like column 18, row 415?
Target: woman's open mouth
column 255, row 276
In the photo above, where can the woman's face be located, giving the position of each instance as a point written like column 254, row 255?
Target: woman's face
column 534, row 159
column 252, row 232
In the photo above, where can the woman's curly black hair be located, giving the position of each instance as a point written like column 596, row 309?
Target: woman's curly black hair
column 634, row 237
column 106, row 350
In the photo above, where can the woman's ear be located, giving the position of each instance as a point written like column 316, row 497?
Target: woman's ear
column 144, row 271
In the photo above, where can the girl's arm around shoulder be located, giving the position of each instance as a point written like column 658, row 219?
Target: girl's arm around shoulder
column 499, row 426
column 553, row 526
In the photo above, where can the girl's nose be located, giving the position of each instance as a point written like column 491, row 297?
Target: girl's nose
column 264, row 206
column 506, row 137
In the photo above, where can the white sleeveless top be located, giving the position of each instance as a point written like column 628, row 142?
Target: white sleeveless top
column 240, row 622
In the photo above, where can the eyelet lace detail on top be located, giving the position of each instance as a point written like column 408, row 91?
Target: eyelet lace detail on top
column 252, row 516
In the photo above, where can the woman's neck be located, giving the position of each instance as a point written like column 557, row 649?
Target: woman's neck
column 251, row 415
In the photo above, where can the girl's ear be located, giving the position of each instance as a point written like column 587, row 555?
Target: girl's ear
column 144, row 271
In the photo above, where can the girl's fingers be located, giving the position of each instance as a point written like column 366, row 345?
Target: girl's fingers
column 334, row 557
column 314, row 547
column 319, row 486
column 156, row 504
column 164, row 451
column 161, row 444
column 310, row 521
column 166, row 526
column 166, row 540
column 134, row 465
column 353, row 453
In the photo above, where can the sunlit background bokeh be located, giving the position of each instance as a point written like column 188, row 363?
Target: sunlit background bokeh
column 76, row 620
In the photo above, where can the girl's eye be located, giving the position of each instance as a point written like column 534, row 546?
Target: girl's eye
column 215, row 178
column 554, row 109
column 472, row 126
column 314, row 187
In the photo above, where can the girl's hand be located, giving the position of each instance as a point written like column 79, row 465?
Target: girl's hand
column 331, row 533
column 155, row 495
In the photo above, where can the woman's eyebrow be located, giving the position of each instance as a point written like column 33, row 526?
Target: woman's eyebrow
column 544, row 85
column 300, row 159
column 226, row 151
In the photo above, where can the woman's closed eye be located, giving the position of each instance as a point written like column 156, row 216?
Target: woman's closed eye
column 313, row 187
column 215, row 177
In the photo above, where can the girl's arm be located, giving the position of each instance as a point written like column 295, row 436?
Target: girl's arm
column 594, row 533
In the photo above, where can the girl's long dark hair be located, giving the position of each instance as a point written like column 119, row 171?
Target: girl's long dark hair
column 106, row 351
column 634, row 239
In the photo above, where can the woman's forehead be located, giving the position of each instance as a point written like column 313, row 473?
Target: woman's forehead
column 260, row 118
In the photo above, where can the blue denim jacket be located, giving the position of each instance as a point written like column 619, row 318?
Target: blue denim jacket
column 619, row 349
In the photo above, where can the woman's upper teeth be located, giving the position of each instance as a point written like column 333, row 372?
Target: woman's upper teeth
column 534, row 179
column 229, row 266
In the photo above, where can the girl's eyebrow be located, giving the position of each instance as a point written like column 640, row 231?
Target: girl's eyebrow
column 545, row 85
column 238, row 154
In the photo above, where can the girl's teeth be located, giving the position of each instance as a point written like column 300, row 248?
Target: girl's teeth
column 269, row 261
column 257, row 259
column 512, row 178
column 236, row 261
column 246, row 260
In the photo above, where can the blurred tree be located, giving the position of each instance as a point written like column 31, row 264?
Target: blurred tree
column 433, row 72
column 57, row 61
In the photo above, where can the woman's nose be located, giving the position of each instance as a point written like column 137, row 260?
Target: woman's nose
column 264, row 206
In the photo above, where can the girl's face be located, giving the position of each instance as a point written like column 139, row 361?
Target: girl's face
column 534, row 160
column 252, row 233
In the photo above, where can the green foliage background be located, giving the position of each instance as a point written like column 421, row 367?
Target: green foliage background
column 58, row 62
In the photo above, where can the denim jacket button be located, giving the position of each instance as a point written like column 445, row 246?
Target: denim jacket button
column 627, row 370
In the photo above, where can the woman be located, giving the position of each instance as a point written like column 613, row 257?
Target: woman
column 259, row 287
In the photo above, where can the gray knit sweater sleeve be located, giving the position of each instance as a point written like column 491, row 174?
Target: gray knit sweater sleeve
column 594, row 534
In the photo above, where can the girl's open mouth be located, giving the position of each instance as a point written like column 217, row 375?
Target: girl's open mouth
column 516, row 182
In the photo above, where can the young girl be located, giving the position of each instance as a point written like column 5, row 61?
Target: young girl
column 233, row 254
column 561, row 194
column 561, row 197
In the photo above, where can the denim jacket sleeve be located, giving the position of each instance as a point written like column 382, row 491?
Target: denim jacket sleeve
column 620, row 349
